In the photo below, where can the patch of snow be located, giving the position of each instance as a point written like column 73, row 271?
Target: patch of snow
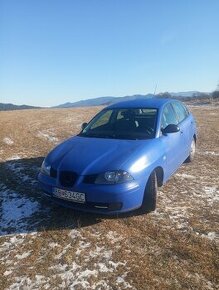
column 78, row 274
column 15, row 210
column 184, row 175
column 39, row 281
column 53, row 245
column 114, row 236
column 14, row 157
column 6, row 273
column 57, row 257
column 179, row 216
column 8, row 141
column 18, row 170
column 211, row 236
column 73, row 275
column 23, row 256
column 59, row 267
column 82, row 245
column 101, row 285
column 74, row 234
column 213, row 153
column 103, row 268
column 211, row 193
column 121, row 280
column 96, row 252
column 49, row 136
column 115, row 265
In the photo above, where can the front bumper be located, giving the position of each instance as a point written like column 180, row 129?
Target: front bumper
column 103, row 199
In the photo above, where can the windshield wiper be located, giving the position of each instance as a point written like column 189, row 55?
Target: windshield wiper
column 96, row 135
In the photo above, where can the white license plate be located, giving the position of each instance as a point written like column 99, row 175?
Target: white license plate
column 69, row 195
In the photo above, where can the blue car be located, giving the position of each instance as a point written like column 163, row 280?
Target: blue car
column 120, row 158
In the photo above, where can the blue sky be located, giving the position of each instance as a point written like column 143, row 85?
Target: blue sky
column 54, row 51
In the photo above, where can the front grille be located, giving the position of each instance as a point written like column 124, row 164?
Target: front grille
column 90, row 179
column 67, row 178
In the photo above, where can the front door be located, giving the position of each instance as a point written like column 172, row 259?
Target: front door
column 173, row 143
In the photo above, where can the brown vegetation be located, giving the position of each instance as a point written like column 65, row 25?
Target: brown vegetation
column 44, row 246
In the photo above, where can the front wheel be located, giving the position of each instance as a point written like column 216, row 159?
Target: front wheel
column 150, row 194
column 192, row 151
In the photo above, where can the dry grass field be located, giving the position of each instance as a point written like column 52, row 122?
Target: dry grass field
column 44, row 246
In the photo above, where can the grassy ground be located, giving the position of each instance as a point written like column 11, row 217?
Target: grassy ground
column 43, row 246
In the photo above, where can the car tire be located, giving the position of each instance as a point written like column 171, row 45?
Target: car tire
column 192, row 152
column 150, row 194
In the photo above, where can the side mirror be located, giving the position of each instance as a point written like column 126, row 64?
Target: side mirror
column 171, row 128
column 83, row 126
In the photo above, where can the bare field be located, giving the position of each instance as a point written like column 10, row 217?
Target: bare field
column 44, row 246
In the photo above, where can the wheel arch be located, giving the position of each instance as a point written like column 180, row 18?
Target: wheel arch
column 160, row 175
column 194, row 137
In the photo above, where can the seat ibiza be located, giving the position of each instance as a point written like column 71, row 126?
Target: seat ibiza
column 120, row 158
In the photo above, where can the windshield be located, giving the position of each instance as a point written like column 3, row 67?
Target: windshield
column 123, row 124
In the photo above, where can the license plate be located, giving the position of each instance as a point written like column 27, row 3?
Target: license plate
column 69, row 195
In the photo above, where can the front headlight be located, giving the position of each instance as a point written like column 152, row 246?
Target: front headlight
column 113, row 177
column 45, row 168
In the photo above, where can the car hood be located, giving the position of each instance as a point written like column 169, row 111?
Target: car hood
column 85, row 155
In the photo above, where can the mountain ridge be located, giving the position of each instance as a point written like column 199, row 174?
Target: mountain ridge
column 107, row 100
column 12, row 107
column 110, row 100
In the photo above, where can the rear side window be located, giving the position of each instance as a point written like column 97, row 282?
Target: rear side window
column 180, row 110
column 168, row 117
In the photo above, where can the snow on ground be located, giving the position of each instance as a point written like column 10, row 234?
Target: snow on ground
column 17, row 215
column 79, row 273
column 8, row 141
column 18, row 169
column 14, row 157
column 211, row 236
column 24, row 255
column 184, row 175
column 15, row 210
column 27, row 283
column 90, row 268
column 180, row 212
column 211, row 193
column 213, row 153
column 48, row 135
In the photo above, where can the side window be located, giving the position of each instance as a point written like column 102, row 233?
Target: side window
column 180, row 110
column 120, row 114
column 103, row 120
column 168, row 117
column 186, row 109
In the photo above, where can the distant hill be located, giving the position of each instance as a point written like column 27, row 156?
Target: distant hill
column 102, row 101
column 88, row 103
column 9, row 107
column 188, row 94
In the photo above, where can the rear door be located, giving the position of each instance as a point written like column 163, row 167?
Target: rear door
column 185, row 124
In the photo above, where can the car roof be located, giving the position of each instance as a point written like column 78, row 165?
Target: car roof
column 155, row 103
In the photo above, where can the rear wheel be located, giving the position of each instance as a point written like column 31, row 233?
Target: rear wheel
column 150, row 194
column 192, row 151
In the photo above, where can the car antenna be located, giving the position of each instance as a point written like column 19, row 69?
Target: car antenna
column 155, row 89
